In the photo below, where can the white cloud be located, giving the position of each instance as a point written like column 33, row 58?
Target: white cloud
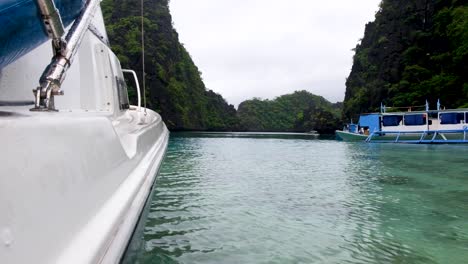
column 266, row 48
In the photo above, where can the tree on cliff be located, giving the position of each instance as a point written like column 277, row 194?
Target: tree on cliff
column 300, row 111
column 174, row 85
column 414, row 51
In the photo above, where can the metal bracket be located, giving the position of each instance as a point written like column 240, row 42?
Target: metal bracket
column 44, row 100
column 52, row 22
column 49, row 84
column 64, row 50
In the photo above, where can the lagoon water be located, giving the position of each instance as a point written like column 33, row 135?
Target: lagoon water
column 238, row 198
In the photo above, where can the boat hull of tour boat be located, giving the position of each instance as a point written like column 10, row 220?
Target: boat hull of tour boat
column 76, row 170
column 348, row 136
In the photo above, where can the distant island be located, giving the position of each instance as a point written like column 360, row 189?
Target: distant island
column 300, row 111
column 413, row 51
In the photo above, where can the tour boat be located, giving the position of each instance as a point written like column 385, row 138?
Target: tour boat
column 78, row 161
column 441, row 126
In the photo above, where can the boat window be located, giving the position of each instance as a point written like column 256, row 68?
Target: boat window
column 451, row 118
column 415, row 120
column 392, row 120
column 122, row 93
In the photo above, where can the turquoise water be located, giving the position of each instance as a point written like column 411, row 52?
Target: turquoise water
column 235, row 198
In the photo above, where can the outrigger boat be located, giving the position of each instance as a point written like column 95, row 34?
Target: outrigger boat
column 441, row 126
column 76, row 170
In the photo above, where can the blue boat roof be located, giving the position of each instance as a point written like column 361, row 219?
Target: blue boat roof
column 22, row 29
column 371, row 121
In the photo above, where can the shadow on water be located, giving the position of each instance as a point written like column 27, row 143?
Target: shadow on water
column 153, row 239
column 133, row 252
column 256, row 135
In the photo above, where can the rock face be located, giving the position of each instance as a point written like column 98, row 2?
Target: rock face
column 415, row 50
column 174, row 85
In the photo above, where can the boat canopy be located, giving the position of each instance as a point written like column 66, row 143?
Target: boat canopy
column 372, row 121
column 22, row 29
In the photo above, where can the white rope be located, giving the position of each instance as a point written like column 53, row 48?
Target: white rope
column 143, row 55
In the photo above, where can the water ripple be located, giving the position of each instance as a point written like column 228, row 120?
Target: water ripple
column 237, row 199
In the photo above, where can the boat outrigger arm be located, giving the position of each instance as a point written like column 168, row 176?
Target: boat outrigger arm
column 64, row 50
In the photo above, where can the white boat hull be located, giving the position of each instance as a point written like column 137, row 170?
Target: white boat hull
column 74, row 184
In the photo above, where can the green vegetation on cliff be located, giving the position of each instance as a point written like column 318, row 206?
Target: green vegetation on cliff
column 297, row 112
column 413, row 51
column 174, row 85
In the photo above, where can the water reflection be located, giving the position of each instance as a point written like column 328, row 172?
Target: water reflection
column 258, row 135
column 408, row 183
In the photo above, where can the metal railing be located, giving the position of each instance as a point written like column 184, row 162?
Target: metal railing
column 137, row 86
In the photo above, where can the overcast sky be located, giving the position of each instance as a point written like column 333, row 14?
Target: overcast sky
column 267, row 48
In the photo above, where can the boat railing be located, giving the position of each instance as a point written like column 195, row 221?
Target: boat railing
column 135, row 78
column 424, row 136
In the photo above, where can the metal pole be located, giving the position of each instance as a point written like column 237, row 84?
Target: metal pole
column 53, row 76
column 52, row 21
